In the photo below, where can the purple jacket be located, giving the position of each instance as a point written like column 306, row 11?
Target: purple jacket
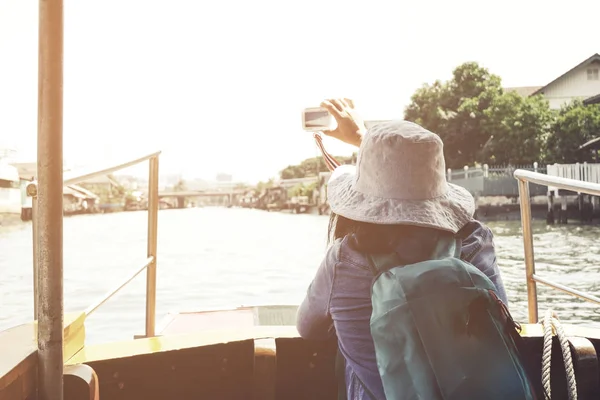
column 339, row 302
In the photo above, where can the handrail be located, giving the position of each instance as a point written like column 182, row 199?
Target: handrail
column 73, row 177
column 524, row 178
column 94, row 306
column 150, row 262
column 563, row 183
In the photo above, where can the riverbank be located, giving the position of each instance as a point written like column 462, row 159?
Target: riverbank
column 489, row 209
column 10, row 220
column 508, row 209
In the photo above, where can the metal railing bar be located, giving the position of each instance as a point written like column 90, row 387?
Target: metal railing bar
column 75, row 177
column 528, row 250
column 152, row 241
column 566, row 289
column 49, row 253
column 34, row 232
column 94, row 306
column 559, row 182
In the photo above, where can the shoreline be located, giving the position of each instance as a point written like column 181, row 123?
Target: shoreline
column 489, row 209
column 7, row 220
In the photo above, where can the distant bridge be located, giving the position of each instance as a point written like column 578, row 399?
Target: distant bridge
column 230, row 197
column 200, row 193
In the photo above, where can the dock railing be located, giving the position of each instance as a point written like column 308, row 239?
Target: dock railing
column 524, row 179
column 149, row 264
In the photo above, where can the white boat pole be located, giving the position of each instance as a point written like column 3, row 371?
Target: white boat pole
column 50, row 198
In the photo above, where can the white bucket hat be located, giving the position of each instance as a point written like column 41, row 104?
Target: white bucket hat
column 400, row 178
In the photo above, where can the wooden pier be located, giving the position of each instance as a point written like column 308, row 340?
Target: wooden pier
column 587, row 205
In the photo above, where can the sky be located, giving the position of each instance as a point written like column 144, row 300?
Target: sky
column 218, row 86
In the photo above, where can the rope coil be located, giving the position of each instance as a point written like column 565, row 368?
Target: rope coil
column 552, row 325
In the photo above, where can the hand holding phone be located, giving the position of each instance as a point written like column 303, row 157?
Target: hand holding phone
column 350, row 126
column 337, row 118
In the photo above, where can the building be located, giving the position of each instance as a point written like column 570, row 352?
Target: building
column 580, row 82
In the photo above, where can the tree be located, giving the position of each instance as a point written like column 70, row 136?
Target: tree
column 311, row 167
column 261, row 186
column 455, row 110
column 180, row 186
column 575, row 124
column 302, row 190
column 518, row 127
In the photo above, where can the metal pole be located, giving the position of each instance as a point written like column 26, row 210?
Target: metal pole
column 32, row 191
column 50, row 201
column 528, row 247
column 152, row 244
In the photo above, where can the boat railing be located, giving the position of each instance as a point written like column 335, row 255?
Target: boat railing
column 525, row 178
column 148, row 265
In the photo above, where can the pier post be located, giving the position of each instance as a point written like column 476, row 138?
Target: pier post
column 580, row 205
column 563, row 209
column 550, row 214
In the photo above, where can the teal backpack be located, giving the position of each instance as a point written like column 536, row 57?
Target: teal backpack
column 440, row 331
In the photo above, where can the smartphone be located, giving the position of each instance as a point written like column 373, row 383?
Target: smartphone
column 316, row 119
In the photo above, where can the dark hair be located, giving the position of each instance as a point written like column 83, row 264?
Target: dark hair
column 377, row 238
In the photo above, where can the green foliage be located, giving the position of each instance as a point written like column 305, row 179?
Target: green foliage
column 455, row 110
column 180, row 186
column 311, row 167
column 575, row 124
column 261, row 186
column 518, row 127
column 302, row 190
column 478, row 122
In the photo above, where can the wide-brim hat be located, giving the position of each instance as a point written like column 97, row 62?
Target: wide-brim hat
column 400, row 178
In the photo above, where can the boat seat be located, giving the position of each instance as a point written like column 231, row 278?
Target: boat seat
column 306, row 369
column 585, row 364
column 80, row 383
column 219, row 371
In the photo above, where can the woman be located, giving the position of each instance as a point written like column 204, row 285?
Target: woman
column 398, row 200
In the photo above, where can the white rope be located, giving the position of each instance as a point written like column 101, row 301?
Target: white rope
column 551, row 321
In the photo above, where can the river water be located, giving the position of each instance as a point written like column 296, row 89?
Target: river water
column 218, row 257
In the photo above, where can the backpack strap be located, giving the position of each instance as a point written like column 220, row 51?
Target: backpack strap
column 446, row 246
column 383, row 262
